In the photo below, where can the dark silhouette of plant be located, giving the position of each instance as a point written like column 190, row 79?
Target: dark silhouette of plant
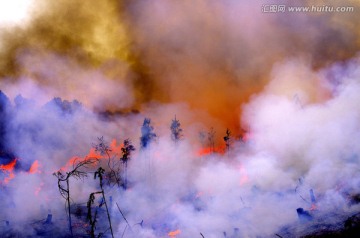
column 63, row 107
column 113, row 175
column 64, row 182
column 147, row 134
column 102, row 147
column 126, row 155
column 176, row 131
column 227, row 139
column 4, row 115
column 90, row 217
column 100, row 174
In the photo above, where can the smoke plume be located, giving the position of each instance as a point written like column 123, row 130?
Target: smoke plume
column 286, row 84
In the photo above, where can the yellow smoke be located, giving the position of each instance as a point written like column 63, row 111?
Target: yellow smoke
column 89, row 31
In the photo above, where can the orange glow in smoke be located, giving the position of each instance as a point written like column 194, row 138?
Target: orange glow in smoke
column 209, row 150
column 174, row 233
column 92, row 155
column 114, row 151
column 8, row 167
column 38, row 189
column 247, row 136
column 244, row 177
column 9, row 170
column 313, row 207
column 34, row 169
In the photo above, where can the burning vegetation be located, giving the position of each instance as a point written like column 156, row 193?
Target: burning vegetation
column 118, row 190
column 179, row 119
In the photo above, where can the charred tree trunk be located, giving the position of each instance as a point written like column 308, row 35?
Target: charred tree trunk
column 68, row 205
column 64, row 189
column 99, row 173
column 107, row 212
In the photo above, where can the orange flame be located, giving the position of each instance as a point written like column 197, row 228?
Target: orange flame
column 174, row 233
column 114, row 150
column 209, row 150
column 9, row 169
column 34, row 169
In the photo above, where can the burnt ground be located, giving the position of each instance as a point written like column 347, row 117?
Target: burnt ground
column 325, row 225
column 330, row 225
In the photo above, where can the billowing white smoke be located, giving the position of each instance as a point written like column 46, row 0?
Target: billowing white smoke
column 298, row 131
column 314, row 140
